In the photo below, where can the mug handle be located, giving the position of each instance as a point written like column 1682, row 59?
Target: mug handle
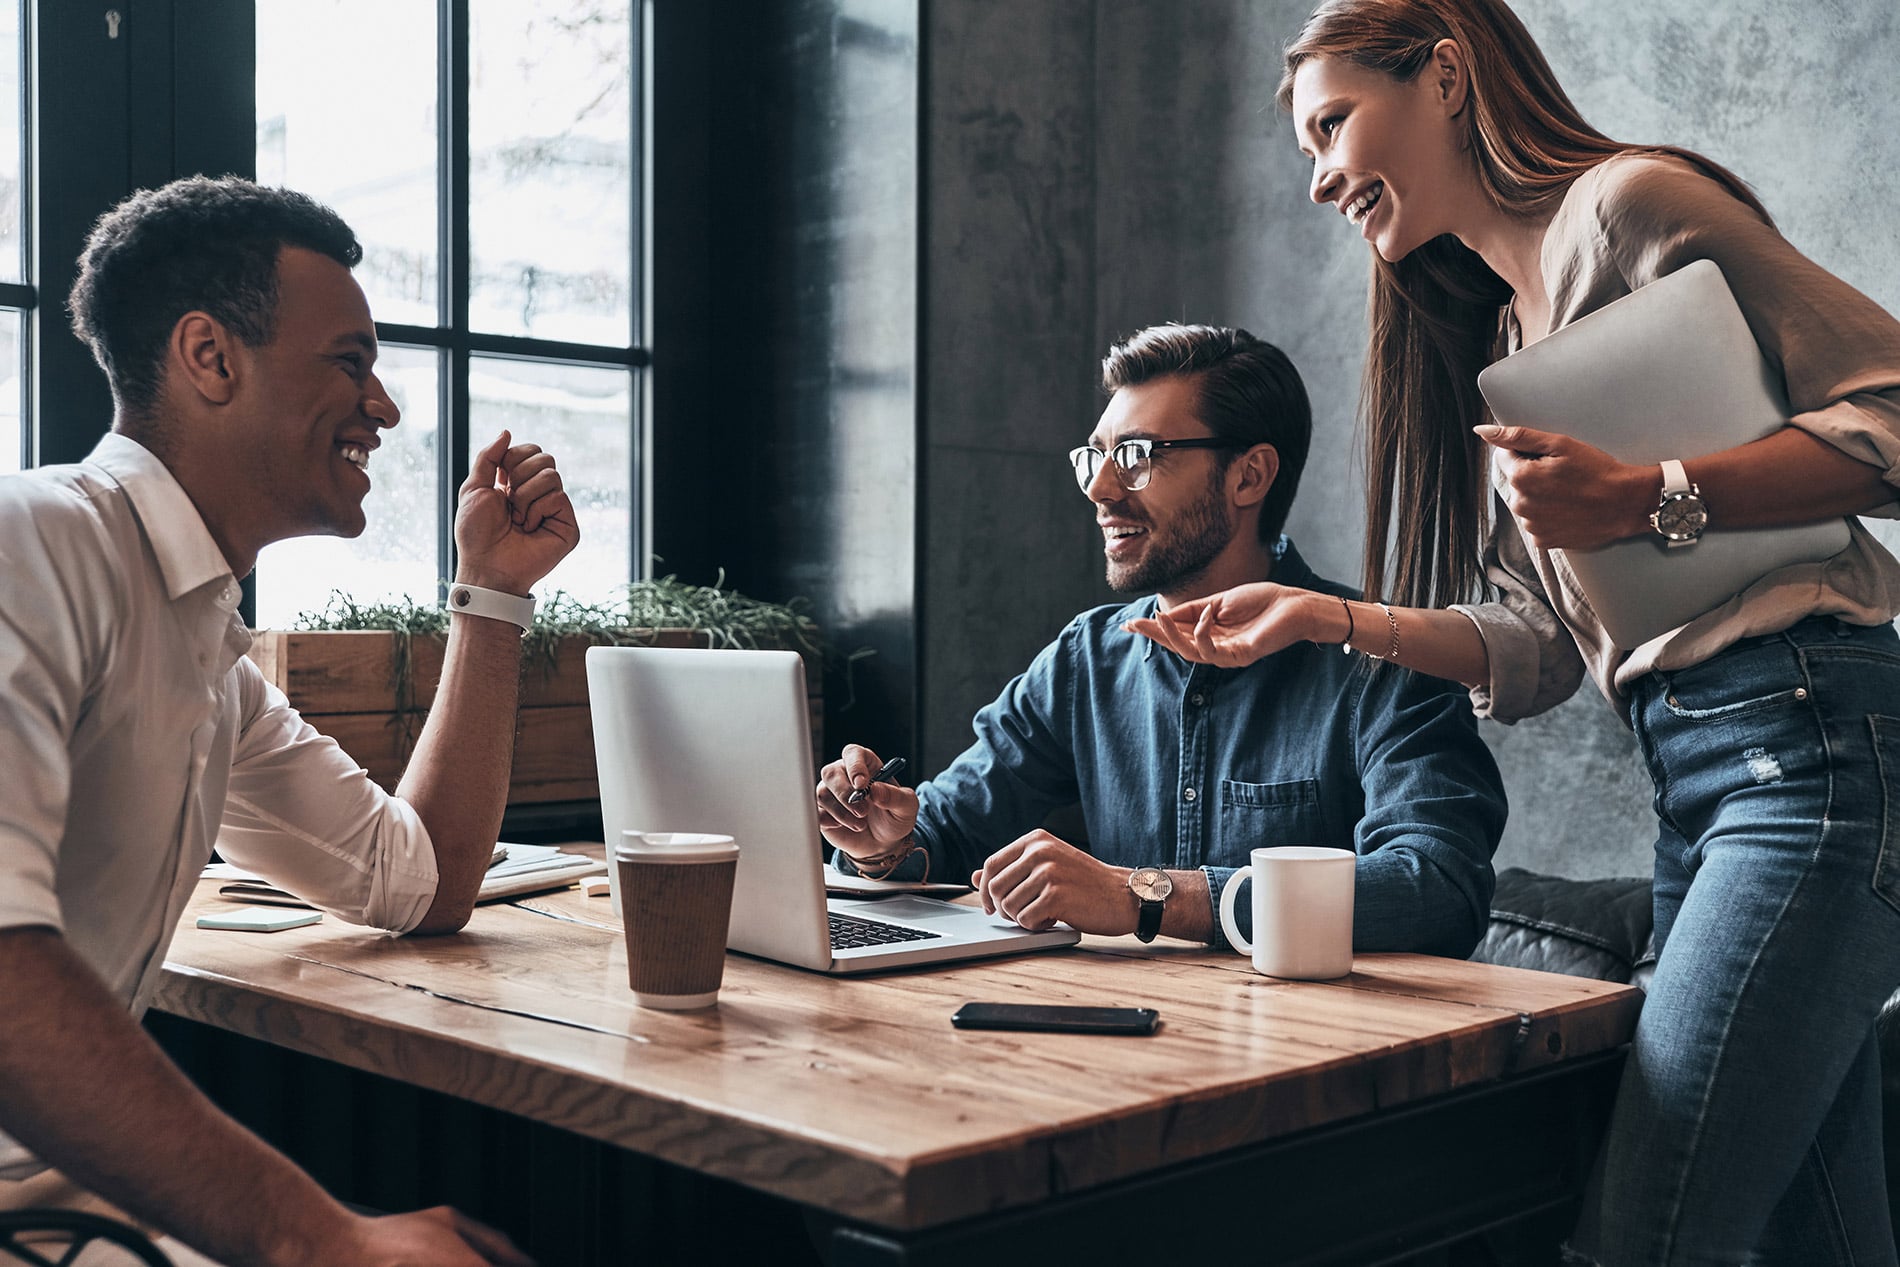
column 1227, row 895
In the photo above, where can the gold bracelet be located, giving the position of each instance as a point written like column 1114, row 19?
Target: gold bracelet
column 1392, row 652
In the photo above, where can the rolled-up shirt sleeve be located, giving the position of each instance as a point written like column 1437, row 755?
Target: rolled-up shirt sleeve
column 1532, row 662
column 303, row 815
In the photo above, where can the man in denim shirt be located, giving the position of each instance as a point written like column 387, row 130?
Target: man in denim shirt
column 1184, row 768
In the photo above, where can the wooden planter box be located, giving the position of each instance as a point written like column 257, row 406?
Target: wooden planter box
column 344, row 684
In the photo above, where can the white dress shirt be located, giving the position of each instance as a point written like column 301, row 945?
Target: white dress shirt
column 135, row 734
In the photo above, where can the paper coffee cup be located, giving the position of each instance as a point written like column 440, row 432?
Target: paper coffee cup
column 675, row 891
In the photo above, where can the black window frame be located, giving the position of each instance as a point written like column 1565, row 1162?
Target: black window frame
column 457, row 344
column 171, row 90
column 23, row 297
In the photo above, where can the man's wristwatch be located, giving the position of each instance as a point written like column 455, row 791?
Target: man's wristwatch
column 1151, row 887
column 473, row 600
column 1681, row 515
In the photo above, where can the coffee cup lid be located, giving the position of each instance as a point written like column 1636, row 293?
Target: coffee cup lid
column 674, row 846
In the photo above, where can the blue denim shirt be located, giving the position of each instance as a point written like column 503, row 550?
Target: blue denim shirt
column 1182, row 765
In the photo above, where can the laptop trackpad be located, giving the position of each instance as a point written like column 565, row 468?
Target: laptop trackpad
column 914, row 909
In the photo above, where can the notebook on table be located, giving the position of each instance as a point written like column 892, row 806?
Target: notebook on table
column 720, row 741
column 1668, row 371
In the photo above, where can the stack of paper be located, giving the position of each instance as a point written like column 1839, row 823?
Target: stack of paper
column 532, row 868
column 514, row 870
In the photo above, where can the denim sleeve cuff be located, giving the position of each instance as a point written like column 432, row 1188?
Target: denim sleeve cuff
column 911, row 869
column 1217, row 878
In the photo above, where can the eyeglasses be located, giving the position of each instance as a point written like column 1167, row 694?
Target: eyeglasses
column 1134, row 459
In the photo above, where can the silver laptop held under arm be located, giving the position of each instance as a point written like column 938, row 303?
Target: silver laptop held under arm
column 1668, row 371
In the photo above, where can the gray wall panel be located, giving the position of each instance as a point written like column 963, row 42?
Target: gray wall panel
column 1009, row 347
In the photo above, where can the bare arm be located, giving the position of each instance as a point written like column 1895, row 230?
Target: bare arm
column 1189, row 911
column 513, row 525
column 458, row 778
column 1568, row 495
column 1790, row 477
column 90, row 1093
column 1246, row 623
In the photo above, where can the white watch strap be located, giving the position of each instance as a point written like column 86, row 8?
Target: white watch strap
column 1675, row 479
column 473, row 600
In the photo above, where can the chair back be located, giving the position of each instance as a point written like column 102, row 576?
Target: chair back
column 57, row 1238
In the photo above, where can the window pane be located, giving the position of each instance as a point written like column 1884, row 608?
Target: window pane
column 364, row 142
column 584, row 417
column 396, row 555
column 12, row 220
column 551, row 169
column 12, row 408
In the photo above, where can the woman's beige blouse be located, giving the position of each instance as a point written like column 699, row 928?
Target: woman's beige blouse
column 1623, row 224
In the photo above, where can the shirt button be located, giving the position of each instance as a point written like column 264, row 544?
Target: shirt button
column 1197, row 699
column 1188, row 795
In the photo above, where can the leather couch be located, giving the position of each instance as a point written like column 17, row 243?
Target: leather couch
column 1605, row 929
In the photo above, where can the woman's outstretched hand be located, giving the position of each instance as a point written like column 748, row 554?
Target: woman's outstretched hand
column 1249, row 622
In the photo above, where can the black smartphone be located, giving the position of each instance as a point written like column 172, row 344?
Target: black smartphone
column 1055, row 1019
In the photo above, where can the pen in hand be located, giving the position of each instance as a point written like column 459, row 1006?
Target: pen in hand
column 888, row 774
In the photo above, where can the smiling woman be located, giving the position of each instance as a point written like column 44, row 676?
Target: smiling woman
column 1496, row 214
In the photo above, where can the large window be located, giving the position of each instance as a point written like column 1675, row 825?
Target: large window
column 485, row 151
column 16, row 295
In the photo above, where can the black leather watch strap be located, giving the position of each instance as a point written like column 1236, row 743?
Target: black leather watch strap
column 1148, row 923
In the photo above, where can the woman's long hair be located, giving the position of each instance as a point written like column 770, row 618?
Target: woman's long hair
column 1435, row 314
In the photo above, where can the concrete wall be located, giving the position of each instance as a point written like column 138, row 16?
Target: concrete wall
column 1094, row 167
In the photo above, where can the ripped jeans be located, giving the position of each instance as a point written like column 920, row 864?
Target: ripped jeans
column 1748, row 1125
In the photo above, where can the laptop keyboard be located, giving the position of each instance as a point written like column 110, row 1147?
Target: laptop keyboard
column 848, row 931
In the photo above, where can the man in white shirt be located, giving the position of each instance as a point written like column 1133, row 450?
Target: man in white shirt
column 134, row 733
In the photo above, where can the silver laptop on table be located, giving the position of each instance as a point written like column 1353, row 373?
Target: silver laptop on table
column 720, row 741
column 1668, row 371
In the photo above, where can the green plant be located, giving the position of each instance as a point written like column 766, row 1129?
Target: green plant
column 727, row 618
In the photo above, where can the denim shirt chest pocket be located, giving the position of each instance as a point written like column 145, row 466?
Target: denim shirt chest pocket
column 1263, row 815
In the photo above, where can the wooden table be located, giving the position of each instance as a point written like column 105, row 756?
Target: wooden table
column 1415, row 1101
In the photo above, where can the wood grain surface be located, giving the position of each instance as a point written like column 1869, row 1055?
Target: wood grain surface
column 856, row 1095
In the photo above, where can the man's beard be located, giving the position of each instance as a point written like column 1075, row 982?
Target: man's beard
column 1195, row 539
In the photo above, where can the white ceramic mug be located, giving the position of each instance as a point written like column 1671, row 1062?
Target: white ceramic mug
column 1302, row 912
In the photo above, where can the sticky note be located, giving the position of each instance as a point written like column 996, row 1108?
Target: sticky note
column 259, row 919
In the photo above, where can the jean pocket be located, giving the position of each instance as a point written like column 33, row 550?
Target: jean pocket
column 1736, row 683
column 1262, row 815
column 1886, row 735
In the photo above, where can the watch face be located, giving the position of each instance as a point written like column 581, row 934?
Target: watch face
column 1151, row 884
column 1681, row 517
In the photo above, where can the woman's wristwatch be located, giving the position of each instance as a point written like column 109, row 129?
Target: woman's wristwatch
column 1681, row 515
